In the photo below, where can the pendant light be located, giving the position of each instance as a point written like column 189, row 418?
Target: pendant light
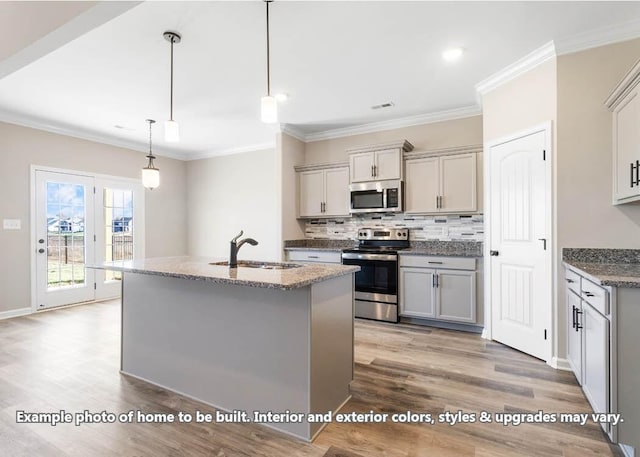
column 171, row 128
column 150, row 174
column 269, row 105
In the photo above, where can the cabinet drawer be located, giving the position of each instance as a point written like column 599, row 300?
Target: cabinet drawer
column 572, row 279
column 452, row 263
column 315, row 256
column 596, row 296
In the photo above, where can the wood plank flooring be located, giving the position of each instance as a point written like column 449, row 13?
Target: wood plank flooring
column 68, row 359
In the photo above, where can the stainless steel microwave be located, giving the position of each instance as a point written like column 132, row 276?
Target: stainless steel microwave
column 376, row 197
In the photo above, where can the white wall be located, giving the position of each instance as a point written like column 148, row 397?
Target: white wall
column 291, row 153
column 231, row 193
column 21, row 147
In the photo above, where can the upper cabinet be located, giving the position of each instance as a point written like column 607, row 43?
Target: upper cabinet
column 624, row 103
column 323, row 191
column 438, row 182
column 377, row 163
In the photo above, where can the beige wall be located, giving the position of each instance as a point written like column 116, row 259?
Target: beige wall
column 586, row 217
column 291, row 152
column 231, row 193
column 21, row 147
column 524, row 102
column 437, row 135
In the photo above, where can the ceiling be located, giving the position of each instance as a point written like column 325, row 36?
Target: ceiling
column 335, row 60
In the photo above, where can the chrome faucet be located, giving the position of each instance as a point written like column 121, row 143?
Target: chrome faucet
column 235, row 247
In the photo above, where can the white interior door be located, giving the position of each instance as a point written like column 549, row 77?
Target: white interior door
column 64, row 239
column 520, row 229
column 119, row 208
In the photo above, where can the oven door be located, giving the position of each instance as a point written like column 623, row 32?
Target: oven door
column 377, row 279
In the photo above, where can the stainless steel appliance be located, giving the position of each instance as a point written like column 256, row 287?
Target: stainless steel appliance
column 376, row 284
column 376, row 197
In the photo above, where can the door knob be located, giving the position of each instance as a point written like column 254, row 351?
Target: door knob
column 494, row 253
column 41, row 251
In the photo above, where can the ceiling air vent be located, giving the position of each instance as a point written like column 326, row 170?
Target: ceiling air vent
column 384, row 105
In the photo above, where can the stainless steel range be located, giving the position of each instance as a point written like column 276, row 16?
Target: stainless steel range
column 376, row 284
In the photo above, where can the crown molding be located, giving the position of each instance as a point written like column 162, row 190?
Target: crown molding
column 321, row 166
column 59, row 129
column 293, row 132
column 599, row 37
column 409, row 121
column 229, row 151
column 517, row 68
column 473, row 148
column 398, row 144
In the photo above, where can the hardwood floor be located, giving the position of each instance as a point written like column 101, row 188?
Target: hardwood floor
column 68, row 359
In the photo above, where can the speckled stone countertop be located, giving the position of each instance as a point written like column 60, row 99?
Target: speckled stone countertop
column 445, row 248
column 198, row 268
column 433, row 247
column 318, row 245
column 607, row 267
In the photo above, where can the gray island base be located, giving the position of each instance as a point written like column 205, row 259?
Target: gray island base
column 242, row 348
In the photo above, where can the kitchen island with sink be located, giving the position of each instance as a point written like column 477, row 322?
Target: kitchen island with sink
column 259, row 338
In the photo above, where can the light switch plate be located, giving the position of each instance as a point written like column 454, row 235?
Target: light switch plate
column 11, row 224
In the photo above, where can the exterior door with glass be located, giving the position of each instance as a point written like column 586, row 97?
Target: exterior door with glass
column 64, row 239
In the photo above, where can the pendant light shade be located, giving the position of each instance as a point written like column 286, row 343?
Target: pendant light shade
column 269, row 109
column 150, row 174
column 269, row 105
column 171, row 131
column 171, row 128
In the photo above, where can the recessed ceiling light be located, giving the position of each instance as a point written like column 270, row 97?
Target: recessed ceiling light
column 452, row 54
column 282, row 97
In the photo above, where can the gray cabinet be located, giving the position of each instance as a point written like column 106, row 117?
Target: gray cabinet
column 441, row 184
column 624, row 103
column 589, row 345
column 442, row 288
column 377, row 162
column 323, row 192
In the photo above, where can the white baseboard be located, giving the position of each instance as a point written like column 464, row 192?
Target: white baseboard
column 560, row 364
column 15, row 313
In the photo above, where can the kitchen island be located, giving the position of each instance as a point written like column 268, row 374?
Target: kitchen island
column 241, row 339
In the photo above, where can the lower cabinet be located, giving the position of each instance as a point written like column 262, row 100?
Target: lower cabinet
column 589, row 341
column 447, row 292
column 314, row 256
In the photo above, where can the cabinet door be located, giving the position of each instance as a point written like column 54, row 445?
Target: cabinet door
column 574, row 335
column 456, row 295
column 361, row 166
column 336, row 192
column 596, row 359
column 388, row 165
column 458, row 183
column 422, row 185
column 417, row 297
column 626, row 137
column 311, row 192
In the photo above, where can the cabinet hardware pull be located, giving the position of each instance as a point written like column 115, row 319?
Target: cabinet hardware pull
column 434, row 262
column 313, row 257
column 578, row 326
column 437, row 280
column 437, row 202
column 588, row 294
column 375, row 171
column 570, row 281
column 433, row 280
column 633, row 183
column 494, row 253
column 637, row 172
column 573, row 324
column 372, row 175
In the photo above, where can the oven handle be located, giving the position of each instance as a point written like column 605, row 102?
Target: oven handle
column 353, row 256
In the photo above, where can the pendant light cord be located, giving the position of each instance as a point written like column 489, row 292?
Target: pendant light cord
column 171, row 109
column 268, row 53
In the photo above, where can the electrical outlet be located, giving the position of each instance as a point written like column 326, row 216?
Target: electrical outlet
column 11, row 224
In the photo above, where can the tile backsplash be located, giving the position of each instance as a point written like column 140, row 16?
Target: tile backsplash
column 421, row 227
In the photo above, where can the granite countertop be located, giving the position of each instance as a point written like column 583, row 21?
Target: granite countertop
column 425, row 248
column 607, row 267
column 198, row 268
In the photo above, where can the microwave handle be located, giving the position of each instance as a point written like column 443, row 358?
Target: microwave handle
column 384, row 198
